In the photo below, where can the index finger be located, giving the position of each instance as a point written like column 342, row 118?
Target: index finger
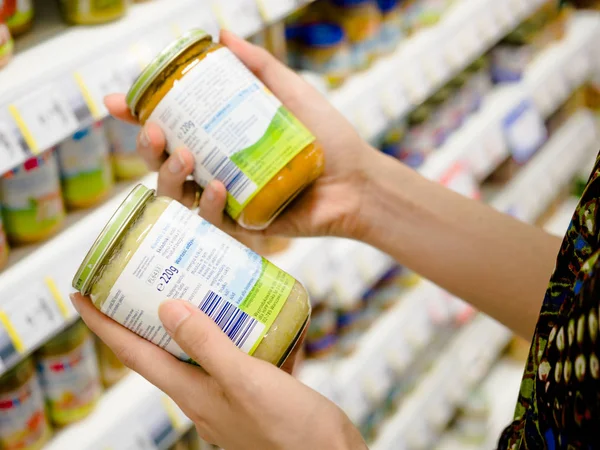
column 117, row 107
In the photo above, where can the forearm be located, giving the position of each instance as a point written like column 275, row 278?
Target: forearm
column 498, row 264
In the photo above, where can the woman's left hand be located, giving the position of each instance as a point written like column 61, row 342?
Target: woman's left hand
column 235, row 401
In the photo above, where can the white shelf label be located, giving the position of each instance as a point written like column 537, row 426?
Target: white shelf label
column 393, row 98
column 239, row 16
column 371, row 118
column 44, row 118
column 272, row 10
column 11, row 152
column 415, row 82
column 524, row 130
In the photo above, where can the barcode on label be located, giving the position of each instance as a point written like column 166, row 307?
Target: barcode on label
column 241, row 328
column 223, row 169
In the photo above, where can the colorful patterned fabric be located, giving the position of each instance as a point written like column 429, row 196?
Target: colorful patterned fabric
column 559, row 399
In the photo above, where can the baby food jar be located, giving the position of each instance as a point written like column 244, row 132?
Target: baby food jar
column 6, row 44
column 361, row 20
column 154, row 248
column 325, row 50
column 204, row 98
column 4, row 249
column 91, row 12
column 31, row 200
column 391, row 33
column 23, row 422
column 70, row 377
column 85, row 167
column 112, row 369
column 127, row 164
column 21, row 21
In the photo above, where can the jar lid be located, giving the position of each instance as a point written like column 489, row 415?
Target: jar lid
column 160, row 62
column 322, row 34
column 387, row 5
column 110, row 235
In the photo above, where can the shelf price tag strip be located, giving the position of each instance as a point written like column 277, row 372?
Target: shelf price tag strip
column 57, row 297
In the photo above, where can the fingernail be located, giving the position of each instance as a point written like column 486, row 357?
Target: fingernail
column 209, row 193
column 176, row 163
column 144, row 138
column 172, row 313
column 75, row 300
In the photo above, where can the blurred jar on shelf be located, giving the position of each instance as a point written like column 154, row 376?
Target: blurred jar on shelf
column 391, row 142
column 31, row 199
column 92, row 12
column 361, row 20
column 392, row 25
column 23, row 421
column 85, row 167
column 420, row 137
column 459, row 100
column 6, row 44
column 480, row 82
column 68, row 369
column 21, row 20
column 442, row 113
column 324, row 49
column 321, row 336
column 112, row 370
column 4, row 248
column 126, row 163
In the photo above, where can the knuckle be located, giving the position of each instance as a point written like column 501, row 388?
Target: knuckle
column 127, row 356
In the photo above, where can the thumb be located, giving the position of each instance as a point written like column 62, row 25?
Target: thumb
column 201, row 339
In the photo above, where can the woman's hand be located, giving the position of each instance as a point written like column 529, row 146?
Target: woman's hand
column 235, row 401
column 330, row 206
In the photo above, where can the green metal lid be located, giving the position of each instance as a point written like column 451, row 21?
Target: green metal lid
column 110, row 236
column 162, row 61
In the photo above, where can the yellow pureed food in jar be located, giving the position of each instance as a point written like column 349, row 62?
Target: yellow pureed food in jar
column 23, row 422
column 154, row 248
column 91, row 12
column 69, row 373
column 205, row 99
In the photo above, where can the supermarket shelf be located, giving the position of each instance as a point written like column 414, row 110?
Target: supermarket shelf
column 394, row 85
column 511, row 118
column 39, row 108
column 533, row 189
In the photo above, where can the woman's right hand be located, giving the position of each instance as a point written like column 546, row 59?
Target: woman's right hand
column 331, row 206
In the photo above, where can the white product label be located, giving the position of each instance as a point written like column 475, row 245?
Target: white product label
column 218, row 109
column 185, row 257
column 71, row 380
column 40, row 185
column 85, row 152
column 22, row 417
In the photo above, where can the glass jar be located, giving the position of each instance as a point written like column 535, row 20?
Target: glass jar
column 112, row 370
column 23, row 421
column 325, row 50
column 31, row 200
column 69, row 373
column 361, row 20
column 392, row 25
column 4, row 249
column 85, row 167
column 203, row 97
column 91, row 12
column 127, row 163
column 22, row 20
column 154, row 249
column 6, row 44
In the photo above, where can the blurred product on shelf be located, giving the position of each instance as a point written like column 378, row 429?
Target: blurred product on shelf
column 322, row 48
column 361, row 20
column 127, row 163
column 391, row 142
column 91, row 12
column 69, row 373
column 262, row 309
column 480, row 81
column 85, row 167
column 575, row 102
column 31, row 200
column 275, row 42
column 23, row 421
column 513, row 54
column 444, row 114
column 472, row 419
column 265, row 162
column 22, row 20
column 392, row 25
column 4, row 248
column 321, row 337
column 112, row 369
column 6, row 44
column 420, row 139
